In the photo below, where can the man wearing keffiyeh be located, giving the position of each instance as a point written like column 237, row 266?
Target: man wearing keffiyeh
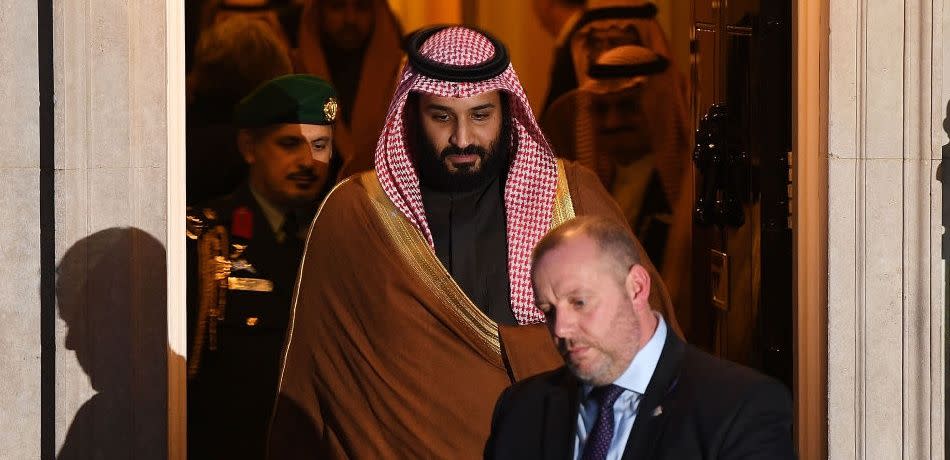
column 414, row 307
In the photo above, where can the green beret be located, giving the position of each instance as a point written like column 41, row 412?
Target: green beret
column 302, row 99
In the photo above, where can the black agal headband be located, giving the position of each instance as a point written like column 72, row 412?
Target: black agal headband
column 448, row 72
column 607, row 71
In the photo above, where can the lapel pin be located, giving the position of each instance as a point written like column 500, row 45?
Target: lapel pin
column 658, row 411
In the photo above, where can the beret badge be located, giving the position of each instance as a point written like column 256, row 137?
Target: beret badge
column 330, row 108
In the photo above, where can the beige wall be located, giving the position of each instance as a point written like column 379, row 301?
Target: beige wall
column 20, row 232
column 111, row 208
column 886, row 304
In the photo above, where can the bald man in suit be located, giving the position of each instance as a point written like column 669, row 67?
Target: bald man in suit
column 630, row 389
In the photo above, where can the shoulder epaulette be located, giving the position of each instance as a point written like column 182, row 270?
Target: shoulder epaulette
column 198, row 221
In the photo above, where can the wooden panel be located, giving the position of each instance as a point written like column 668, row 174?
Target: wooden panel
column 706, row 11
column 704, row 318
column 705, row 83
column 739, row 341
column 739, row 12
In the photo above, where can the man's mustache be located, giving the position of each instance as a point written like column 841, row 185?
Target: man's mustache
column 470, row 150
column 566, row 345
column 303, row 175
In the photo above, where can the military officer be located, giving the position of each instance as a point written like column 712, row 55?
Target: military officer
column 245, row 250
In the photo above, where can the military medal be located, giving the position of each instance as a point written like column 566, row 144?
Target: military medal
column 250, row 284
column 242, row 265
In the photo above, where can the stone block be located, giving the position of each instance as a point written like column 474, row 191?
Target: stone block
column 843, row 88
column 110, row 200
column 19, row 86
column 20, row 312
column 147, row 85
column 883, row 73
column 843, row 347
column 881, row 317
column 20, row 417
column 149, row 201
column 108, row 101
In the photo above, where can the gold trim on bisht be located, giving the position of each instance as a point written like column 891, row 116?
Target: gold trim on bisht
column 421, row 259
column 563, row 203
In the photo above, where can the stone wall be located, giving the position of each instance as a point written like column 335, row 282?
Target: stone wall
column 886, row 113
column 20, row 312
column 110, row 229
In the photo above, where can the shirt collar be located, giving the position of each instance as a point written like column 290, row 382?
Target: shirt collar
column 640, row 371
column 275, row 217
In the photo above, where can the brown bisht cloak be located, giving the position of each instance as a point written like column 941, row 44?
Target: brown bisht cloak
column 386, row 357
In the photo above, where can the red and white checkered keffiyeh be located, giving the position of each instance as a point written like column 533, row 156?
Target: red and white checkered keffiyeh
column 532, row 177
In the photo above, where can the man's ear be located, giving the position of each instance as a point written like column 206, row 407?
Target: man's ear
column 637, row 286
column 245, row 143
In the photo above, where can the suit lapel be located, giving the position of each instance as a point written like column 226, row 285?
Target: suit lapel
column 560, row 418
column 651, row 417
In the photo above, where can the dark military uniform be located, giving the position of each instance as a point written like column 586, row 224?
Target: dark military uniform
column 239, row 266
column 242, row 270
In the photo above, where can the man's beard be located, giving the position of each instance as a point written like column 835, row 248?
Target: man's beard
column 613, row 360
column 593, row 375
column 434, row 173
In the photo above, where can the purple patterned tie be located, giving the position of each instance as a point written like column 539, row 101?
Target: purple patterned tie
column 598, row 441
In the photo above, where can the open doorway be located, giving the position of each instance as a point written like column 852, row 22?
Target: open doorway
column 756, row 262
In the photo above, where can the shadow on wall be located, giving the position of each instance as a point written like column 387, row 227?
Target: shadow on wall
column 111, row 291
column 944, row 177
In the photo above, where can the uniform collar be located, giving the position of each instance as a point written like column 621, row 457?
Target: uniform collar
column 275, row 217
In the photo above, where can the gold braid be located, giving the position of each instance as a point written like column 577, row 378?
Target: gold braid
column 214, row 267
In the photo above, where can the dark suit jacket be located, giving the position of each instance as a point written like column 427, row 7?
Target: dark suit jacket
column 696, row 407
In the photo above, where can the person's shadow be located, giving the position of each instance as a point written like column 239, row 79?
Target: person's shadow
column 111, row 291
column 944, row 177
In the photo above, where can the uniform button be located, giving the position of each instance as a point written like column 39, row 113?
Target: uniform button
column 251, row 321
